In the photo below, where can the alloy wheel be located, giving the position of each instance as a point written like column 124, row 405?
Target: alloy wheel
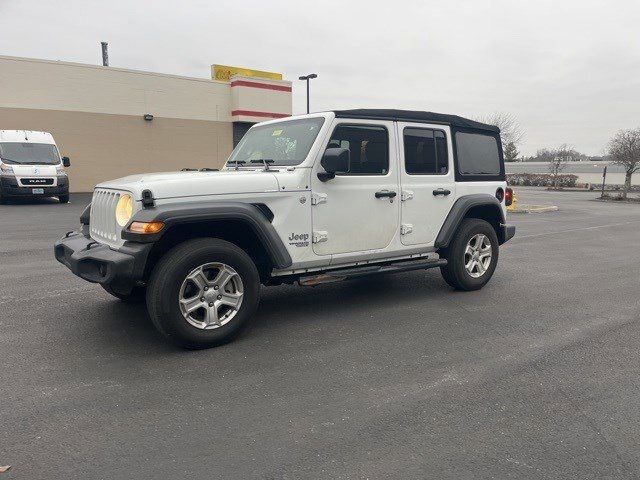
column 211, row 295
column 477, row 255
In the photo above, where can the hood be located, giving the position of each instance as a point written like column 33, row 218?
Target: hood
column 33, row 170
column 189, row 184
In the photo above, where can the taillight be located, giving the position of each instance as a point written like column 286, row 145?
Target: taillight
column 508, row 196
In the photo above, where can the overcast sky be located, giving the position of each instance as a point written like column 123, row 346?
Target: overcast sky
column 569, row 70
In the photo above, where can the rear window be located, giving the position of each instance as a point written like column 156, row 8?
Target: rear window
column 477, row 154
column 425, row 151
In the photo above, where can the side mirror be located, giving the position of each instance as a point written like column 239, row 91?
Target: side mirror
column 334, row 160
column 66, row 162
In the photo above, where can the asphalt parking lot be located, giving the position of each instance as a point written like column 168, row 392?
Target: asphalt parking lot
column 536, row 376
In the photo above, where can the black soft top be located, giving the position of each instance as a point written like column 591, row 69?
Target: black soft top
column 416, row 116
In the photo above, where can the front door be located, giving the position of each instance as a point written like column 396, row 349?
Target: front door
column 359, row 210
column 427, row 179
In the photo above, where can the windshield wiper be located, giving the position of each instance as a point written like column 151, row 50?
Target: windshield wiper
column 237, row 163
column 16, row 162
column 264, row 161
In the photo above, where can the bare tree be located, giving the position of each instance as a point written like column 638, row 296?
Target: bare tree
column 558, row 159
column 510, row 130
column 624, row 149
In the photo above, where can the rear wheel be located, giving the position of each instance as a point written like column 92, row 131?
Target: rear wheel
column 472, row 255
column 203, row 292
column 63, row 198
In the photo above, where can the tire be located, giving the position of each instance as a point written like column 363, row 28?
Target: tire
column 455, row 273
column 173, row 277
column 63, row 198
column 137, row 294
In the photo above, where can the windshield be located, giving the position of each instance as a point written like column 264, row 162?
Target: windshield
column 29, row 153
column 283, row 143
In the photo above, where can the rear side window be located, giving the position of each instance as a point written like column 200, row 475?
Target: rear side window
column 425, row 151
column 477, row 154
column 368, row 147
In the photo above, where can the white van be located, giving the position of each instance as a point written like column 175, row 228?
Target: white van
column 30, row 166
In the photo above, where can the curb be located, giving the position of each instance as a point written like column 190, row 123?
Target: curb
column 631, row 200
column 534, row 209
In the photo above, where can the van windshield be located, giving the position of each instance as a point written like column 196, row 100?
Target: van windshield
column 282, row 143
column 29, row 153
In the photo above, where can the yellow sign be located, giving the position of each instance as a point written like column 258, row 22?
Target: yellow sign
column 224, row 73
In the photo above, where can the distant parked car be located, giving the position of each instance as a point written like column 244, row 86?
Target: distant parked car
column 30, row 166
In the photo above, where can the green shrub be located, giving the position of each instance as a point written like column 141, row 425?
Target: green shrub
column 541, row 179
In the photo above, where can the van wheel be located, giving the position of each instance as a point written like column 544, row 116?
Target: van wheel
column 203, row 292
column 472, row 255
column 137, row 294
column 63, row 198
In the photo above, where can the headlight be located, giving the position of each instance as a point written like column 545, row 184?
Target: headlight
column 4, row 168
column 124, row 210
column 60, row 170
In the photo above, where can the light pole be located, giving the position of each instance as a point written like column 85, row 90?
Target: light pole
column 307, row 78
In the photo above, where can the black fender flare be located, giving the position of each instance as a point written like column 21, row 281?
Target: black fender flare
column 459, row 211
column 172, row 214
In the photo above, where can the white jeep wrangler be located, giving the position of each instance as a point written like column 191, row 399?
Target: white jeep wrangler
column 309, row 199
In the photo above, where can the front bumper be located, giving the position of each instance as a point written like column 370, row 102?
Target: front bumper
column 98, row 263
column 507, row 233
column 10, row 188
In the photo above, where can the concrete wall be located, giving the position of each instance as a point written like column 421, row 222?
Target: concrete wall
column 95, row 115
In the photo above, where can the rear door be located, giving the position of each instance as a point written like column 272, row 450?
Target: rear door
column 427, row 180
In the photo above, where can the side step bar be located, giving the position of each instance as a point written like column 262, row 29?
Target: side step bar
column 365, row 270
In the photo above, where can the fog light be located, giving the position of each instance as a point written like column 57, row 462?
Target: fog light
column 146, row 227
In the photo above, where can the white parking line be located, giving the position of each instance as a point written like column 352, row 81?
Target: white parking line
column 518, row 237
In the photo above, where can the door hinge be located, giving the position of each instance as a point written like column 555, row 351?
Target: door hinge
column 406, row 228
column 406, row 195
column 319, row 237
column 317, row 198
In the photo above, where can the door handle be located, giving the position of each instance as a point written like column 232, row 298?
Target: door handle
column 441, row 191
column 385, row 193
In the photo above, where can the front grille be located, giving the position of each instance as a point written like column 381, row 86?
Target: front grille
column 36, row 181
column 103, row 216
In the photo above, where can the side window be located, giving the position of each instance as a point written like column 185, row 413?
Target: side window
column 477, row 154
column 368, row 146
column 425, row 151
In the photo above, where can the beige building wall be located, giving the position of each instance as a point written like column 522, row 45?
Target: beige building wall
column 96, row 116
column 257, row 100
column 106, row 146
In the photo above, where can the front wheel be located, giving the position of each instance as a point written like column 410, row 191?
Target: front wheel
column 63, row 198
column 203, row 292
column 472, row 255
